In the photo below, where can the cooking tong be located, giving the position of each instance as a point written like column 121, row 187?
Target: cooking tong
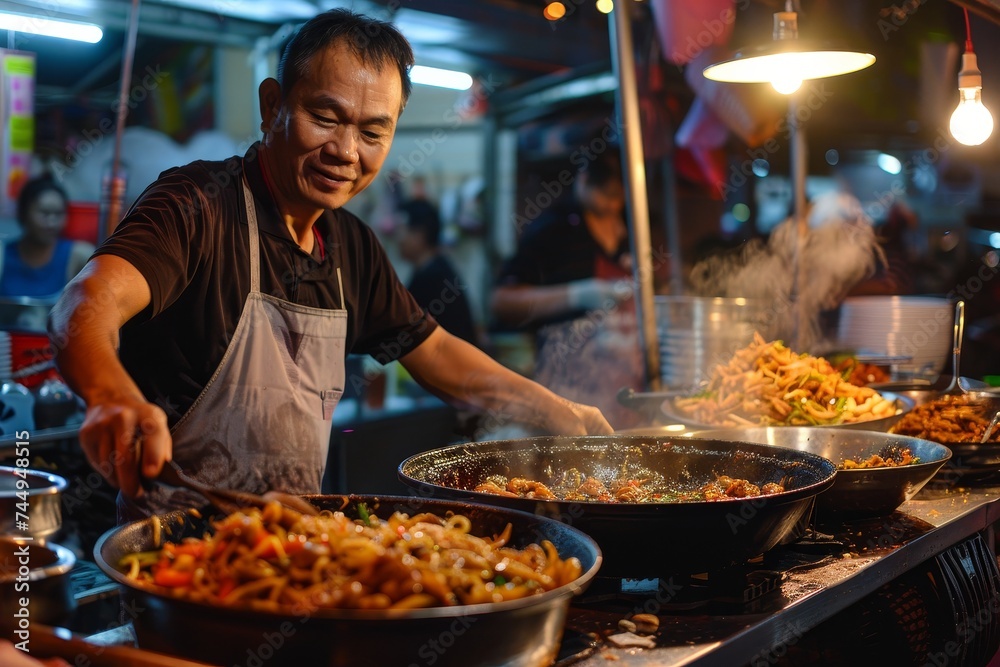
column 227, row 500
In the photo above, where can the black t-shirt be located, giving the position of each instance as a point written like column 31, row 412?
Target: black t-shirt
column 188, row 236
column 438, row 289
column 557, row 248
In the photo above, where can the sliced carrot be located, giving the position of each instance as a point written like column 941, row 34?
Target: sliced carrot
column 171, row 578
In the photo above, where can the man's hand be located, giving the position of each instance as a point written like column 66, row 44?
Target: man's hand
column 13, row 657
column 569, row 418
column 594, row 293
column 113, row 433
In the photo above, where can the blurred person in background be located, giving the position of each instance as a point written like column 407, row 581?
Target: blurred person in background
column 435, row 284
column 41, row 262
column 570, row 281
column 896, row 275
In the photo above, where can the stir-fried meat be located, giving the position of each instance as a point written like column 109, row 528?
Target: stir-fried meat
column 491, row 487
column 623, row 490
column 630, row 491
column 530, row 489
column 594, row 488
column 904, row 458
column 741, row 488
column 727, row 487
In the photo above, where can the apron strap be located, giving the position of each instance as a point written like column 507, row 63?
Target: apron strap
column 254, row 238
column 340, row 284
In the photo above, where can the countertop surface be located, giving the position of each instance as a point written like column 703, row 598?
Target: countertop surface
column 820, row 576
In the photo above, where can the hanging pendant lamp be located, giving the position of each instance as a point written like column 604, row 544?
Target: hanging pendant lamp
column 787, row 61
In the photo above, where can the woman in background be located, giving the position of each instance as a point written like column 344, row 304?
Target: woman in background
column 40, row 262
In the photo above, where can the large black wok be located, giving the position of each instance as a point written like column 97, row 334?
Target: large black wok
column 642, row 539
column 521, row 633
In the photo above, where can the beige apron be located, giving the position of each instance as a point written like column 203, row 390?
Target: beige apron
column 263, row 421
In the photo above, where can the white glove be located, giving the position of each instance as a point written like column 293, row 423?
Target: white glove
column 593, row 293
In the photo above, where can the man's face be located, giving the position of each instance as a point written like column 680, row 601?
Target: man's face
column 46, row 218
column 332, row 132
column 607, row 200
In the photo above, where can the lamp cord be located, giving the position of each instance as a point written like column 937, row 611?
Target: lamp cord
column 968, row 32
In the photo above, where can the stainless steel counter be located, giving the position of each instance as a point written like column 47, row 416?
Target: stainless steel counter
column 861, row 557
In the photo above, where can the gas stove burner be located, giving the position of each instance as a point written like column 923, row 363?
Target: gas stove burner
column 732, row 590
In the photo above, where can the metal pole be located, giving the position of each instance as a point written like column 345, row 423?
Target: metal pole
column 114, row 189
column 798, row 167
column 636, row 199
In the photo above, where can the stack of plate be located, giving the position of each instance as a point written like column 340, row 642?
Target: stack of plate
column 918, row 327
column 696, row 333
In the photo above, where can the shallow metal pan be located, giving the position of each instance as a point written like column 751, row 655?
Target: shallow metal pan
column 857, row 492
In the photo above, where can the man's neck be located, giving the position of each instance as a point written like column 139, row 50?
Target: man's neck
column 298, row 221
column 425, row 258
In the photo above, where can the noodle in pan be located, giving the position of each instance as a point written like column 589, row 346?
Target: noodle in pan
column 766, row 384
column 275, row 558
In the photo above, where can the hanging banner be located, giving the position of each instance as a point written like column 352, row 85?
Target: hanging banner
column 17, row 125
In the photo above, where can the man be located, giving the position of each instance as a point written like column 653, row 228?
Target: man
column 571, row 281
column 238, row 287
column 435, row 283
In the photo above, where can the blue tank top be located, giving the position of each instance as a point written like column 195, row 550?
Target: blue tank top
column 19, row 279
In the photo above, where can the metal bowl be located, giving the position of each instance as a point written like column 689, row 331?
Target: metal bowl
column 856, row 492
column 44, row 506
column 903, row 405
column 519, row 633
column 923, row 391
column 37, row 575
column 973, row 463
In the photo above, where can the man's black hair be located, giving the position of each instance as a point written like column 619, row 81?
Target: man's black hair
column 32, row 192
column 605, row 168
column 374, row 42
column 422, row 216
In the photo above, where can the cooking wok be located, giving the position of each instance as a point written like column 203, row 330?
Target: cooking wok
column 642, row 539
column 514, row 633
column 857, row 492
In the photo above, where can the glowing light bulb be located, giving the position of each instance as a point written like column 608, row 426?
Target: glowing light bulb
column 972, row 123
column 554, row 11
column 786, row 83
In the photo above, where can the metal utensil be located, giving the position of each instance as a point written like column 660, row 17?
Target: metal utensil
column 989, row 429
column 56, row 642
column 230, row 500
column 956, row 351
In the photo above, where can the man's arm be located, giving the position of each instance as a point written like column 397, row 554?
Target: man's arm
column 521, row 305
column 84, row 327
column 463, row 375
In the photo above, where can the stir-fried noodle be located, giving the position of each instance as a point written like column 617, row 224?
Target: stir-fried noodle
column 766, row 384
column 276, row 559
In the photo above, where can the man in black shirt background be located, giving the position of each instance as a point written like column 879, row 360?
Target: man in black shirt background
column 435, row 284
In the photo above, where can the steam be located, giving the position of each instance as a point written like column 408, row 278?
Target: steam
column 840, row 249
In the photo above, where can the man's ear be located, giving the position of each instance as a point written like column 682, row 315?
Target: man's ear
column 269, row 95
